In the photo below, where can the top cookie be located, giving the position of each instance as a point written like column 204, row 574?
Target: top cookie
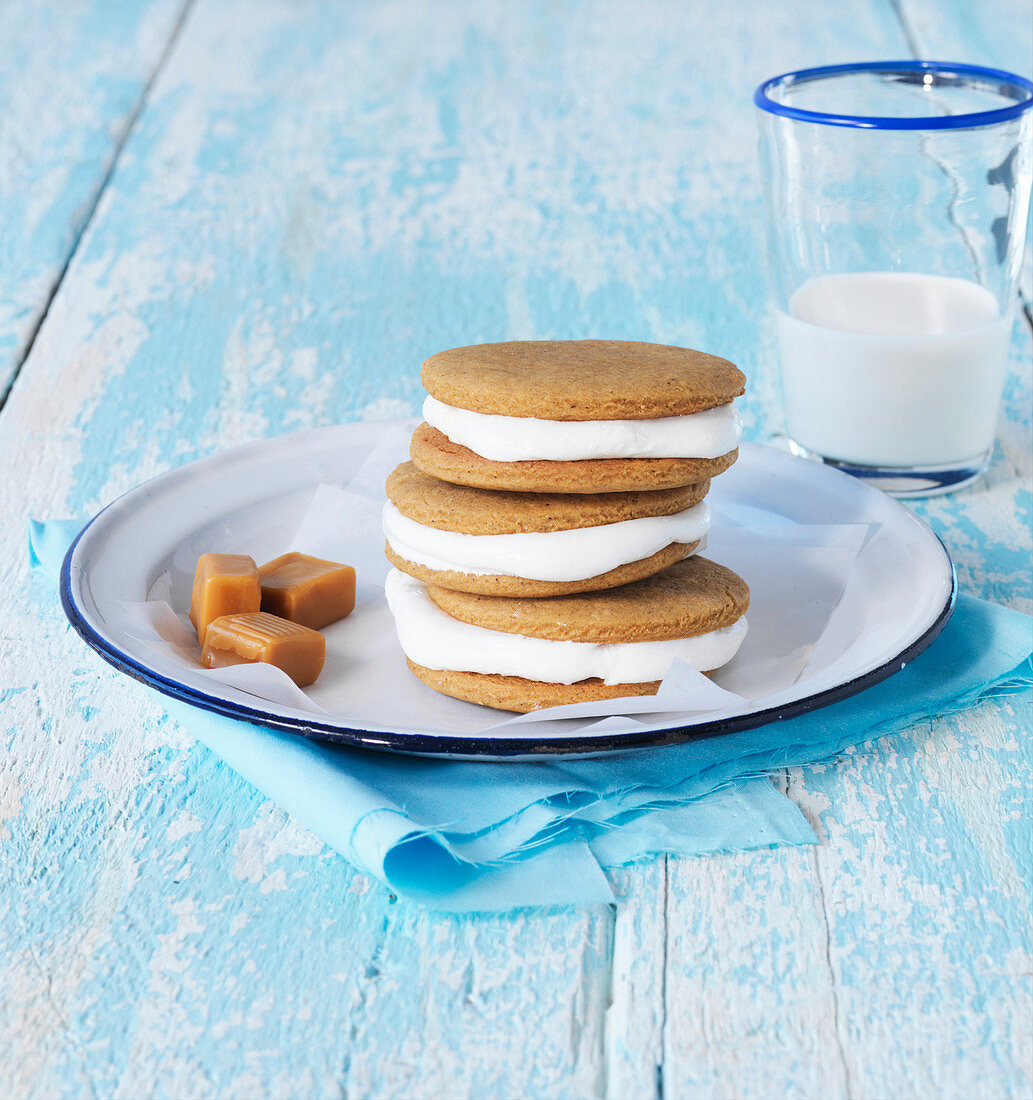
column 581, row 379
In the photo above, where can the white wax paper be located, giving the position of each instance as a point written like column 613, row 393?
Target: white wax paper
column 802, row 619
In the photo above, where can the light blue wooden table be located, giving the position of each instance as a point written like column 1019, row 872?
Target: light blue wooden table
column 222, row 220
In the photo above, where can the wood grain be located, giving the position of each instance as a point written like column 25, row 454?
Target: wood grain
column 314, row 198
column 72, row 79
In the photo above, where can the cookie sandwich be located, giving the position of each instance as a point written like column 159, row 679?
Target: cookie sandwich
column 523, row 654
column 536, row 544
column 577, row 416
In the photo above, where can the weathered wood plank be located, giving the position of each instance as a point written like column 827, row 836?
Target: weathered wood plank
column 751, row 1004
column 216, row 262
column 72, row 76
column 924, row 868
column 490, row 1006
column 635, row 1017
column 902, row 995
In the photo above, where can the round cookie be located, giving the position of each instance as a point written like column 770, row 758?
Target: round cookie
column 691, row 599
column 588, row 382
column 499, row 584
column 581, row 379
column 435, row 454
column 515, row 693
column 463, row 510
column 693, row 596
column 471, row 511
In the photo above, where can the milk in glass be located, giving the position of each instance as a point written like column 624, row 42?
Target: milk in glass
column 893, row 368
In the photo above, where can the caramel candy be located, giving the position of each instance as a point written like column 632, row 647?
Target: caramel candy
column 243, row 639
column 307, row 590
column 224, row 584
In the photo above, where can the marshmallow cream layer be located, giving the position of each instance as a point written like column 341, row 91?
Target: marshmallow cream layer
column 543, row 556
column 437, row 641
column 708, row 434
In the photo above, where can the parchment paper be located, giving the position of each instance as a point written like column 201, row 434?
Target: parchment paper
column 801, row 620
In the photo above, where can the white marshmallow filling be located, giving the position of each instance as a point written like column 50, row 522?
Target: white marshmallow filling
column 707, row 434
column 435, row 640
column 543, row 556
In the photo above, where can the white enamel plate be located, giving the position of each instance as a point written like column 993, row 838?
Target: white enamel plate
column 252, row 499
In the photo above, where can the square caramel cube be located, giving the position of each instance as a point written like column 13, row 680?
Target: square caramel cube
column 244, row 639
column 307, row 590
column 224, row 584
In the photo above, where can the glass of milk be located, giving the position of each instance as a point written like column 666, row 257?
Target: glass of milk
column 897, row 197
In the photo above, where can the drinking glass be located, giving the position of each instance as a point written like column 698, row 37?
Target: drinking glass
column 897, row 197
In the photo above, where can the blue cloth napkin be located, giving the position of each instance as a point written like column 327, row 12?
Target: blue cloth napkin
column 493, row 836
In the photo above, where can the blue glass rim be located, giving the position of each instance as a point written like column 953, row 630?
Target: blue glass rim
column 882, row 122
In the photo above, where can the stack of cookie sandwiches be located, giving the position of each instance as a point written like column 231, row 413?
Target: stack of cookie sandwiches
column 544, row 536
